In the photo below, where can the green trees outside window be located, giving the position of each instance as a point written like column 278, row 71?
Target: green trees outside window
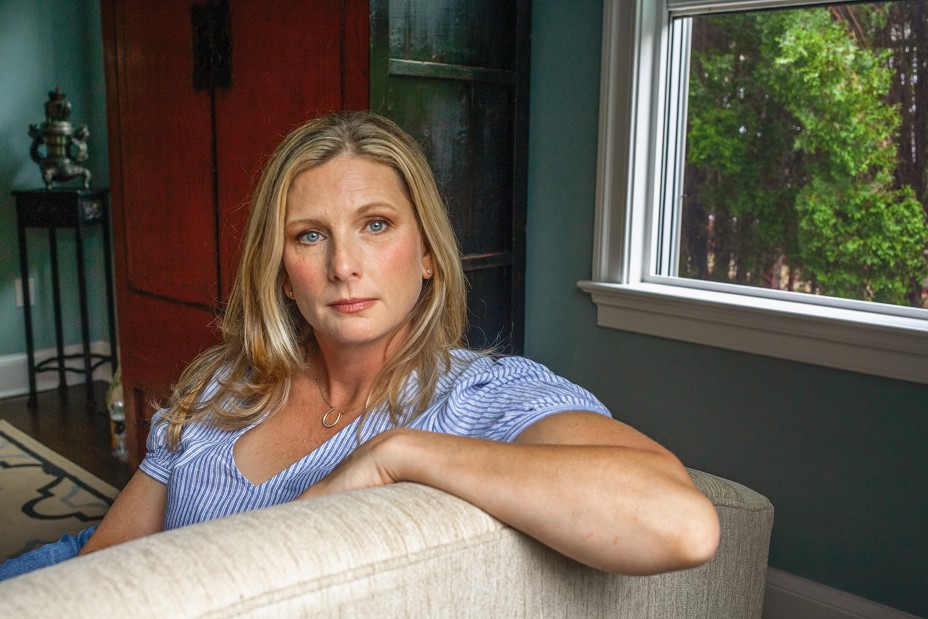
column 807, row 144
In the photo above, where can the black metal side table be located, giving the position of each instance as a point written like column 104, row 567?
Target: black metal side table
column 65, row 208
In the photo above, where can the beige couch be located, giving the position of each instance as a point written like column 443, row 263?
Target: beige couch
column 404, row 550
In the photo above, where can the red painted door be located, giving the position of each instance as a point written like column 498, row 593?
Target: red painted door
column 185, row 154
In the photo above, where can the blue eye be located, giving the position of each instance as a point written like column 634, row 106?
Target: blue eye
column 377, row 226
column 310, row 236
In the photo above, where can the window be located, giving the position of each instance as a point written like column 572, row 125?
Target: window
column 647, row 279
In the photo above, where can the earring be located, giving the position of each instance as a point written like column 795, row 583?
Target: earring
column 428, row 271
column 290, row 293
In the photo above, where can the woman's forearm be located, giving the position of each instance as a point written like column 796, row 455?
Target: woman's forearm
column 616, row 508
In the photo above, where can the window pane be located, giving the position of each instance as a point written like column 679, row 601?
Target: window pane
column 806, row 150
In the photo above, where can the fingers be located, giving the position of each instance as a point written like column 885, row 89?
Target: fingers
column 367, row 467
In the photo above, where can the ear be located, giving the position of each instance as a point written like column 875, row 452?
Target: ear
column 427, row 268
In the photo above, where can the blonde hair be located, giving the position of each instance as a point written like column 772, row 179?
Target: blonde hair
column 265, row 338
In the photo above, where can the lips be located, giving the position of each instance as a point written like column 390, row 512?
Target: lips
column 351, row 306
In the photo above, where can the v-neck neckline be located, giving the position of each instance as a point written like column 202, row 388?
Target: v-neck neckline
column 315, row 454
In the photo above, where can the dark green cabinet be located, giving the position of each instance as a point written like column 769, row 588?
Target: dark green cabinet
column 454, row 73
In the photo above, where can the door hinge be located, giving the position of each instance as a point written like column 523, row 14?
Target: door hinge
column 212, row 46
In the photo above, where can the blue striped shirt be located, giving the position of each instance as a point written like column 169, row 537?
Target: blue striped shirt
column 484, row 397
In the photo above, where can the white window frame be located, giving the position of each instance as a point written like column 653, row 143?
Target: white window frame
column 872, row 338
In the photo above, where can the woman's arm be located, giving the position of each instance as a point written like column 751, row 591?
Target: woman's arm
column 137, row 511
column 588, row 486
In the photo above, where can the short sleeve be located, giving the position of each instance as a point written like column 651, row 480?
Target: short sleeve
column 159, row 460
column 498, row 398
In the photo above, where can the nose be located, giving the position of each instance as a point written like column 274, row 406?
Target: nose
column 344, row 259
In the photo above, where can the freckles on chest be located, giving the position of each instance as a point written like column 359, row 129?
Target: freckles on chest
column 295, row 428
column 280, row 441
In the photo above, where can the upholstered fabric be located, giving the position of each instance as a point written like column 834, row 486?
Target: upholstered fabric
column 402, row 550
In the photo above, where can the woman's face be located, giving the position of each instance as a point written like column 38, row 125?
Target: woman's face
column 353, row 254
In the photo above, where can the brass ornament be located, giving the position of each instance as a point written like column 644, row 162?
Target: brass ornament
column 65, row 146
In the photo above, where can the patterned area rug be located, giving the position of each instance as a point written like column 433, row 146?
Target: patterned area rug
column 43, row 495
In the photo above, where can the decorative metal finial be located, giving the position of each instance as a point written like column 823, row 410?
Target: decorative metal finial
column 65, row 148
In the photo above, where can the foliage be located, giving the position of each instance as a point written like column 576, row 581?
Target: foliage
column 791, row 153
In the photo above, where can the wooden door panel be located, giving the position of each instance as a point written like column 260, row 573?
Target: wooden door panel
column 157, row 339
column 287, row 68
column 468, row 139
column 165, row 140
column 144, row 401
column 456, row 32
column 183, row 162
column 163, row 338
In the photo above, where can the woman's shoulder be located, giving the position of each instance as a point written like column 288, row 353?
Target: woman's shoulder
column 480, row 361
column 497, row 397
column 511, row 380
column 471, row 368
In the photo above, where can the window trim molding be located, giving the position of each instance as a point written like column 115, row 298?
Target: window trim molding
column 845, row 335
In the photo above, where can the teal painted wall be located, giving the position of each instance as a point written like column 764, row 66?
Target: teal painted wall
column 841, row 455
column 44, row 44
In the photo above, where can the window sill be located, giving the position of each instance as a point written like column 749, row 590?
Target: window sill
column 889, row 346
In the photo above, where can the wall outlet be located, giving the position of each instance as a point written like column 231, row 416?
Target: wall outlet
column 19, row 291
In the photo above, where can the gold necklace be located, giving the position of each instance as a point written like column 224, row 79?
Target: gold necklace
column 332, row 409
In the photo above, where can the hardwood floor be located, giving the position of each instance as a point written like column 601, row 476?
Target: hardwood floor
column 65, row 422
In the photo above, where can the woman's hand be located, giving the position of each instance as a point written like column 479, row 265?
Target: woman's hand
column 371, row 464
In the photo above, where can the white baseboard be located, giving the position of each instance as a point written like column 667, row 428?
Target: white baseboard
column 791, row 597
column 14, row 377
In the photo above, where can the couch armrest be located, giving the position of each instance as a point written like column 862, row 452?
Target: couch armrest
column 735, row 579
column 403, row 549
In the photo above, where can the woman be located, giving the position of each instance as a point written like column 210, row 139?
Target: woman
column 341, row 368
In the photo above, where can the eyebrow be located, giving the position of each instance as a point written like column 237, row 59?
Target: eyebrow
column 362, row 210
